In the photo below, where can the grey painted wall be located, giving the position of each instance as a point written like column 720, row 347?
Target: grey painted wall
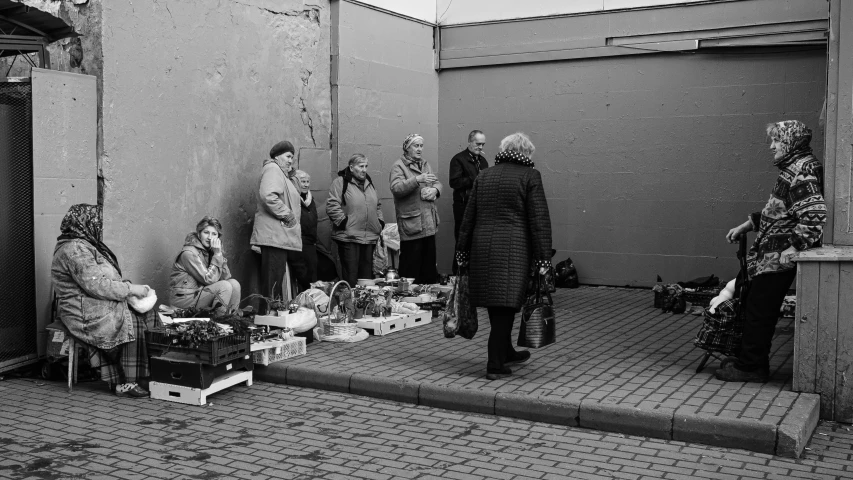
column 387, row 87
column 648, row 160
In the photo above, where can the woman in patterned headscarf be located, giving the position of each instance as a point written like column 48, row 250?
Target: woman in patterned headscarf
column 415, row 189
column 792, row 220
column 92, row 301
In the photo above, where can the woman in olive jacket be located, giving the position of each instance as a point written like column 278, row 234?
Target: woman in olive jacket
column 277, row 230
column 354, row 209
column 415, row 189
column 504, row 236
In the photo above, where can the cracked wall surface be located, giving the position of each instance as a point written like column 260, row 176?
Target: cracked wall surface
column 195, row 94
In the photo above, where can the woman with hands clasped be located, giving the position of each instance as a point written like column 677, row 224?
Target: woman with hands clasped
column 277, row 229
column 415, row 189
column 200, row 277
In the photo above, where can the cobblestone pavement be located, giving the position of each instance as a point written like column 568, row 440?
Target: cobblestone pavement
column 612, row 347
column 274, row 431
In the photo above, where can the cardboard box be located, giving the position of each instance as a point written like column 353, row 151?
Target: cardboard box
column 421, row 318
column 382, row 325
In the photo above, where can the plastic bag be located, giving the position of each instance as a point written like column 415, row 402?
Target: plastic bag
column 448, row 317
column 566, row 274
column 360, row 334
column 313, row 298
column 302, row 320
column 465, row 312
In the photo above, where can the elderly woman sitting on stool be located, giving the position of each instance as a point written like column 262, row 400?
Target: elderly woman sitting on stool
column 92, row 301
column 200, row 276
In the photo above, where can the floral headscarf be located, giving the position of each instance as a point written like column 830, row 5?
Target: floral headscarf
column 86, row 222
column 795, row 137
column 410, row 139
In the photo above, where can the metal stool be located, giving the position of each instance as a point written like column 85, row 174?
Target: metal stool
column 72, row 351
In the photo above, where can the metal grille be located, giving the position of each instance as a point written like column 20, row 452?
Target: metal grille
column 17, row 257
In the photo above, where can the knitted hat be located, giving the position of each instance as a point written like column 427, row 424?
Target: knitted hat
column 281, row 148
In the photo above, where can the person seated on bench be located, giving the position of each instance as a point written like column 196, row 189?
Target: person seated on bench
column 91, row 301
column 200, row 276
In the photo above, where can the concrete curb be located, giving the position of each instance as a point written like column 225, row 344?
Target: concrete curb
column 725, row 432
column 538, row 409
column 787, row 439
column 798, row 425
column 612, row 417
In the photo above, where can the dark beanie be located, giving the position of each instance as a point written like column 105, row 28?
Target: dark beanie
column 281, row 148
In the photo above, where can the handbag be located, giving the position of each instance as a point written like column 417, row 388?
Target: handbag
column 538, row 324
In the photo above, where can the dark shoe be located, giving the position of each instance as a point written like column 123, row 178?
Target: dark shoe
column 131, row 390
column 727, row 361
column 519, row 357
column 498, row 374
column 730, row 373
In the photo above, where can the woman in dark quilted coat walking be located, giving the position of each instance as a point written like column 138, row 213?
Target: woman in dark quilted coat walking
column 505, row 234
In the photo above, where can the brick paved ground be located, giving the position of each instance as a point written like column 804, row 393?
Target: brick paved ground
column 273, row 431
column 613, row 347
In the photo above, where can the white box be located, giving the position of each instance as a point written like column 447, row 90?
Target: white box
column 273, row 321
column 265, row 353
column 423, row 317
column 197, row 396
column 382, row 325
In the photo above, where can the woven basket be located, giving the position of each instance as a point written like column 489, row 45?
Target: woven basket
column 331, row 325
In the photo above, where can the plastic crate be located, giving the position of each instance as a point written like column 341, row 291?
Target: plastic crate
column 182, row 369
column 292, row 347
column 213, row 352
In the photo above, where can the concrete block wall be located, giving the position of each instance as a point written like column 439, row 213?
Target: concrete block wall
column 648, row 160
column 387, row 87
column 195, row 94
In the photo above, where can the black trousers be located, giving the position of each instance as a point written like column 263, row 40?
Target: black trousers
column 304, row 265
column 761, row 312
column 417, row 260
column 273, row 268
column 500, row 337
column 356, row 261
column 458, row 213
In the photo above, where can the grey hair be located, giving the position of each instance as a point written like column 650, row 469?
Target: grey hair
column 518, row 142
column 473, row 134
column 355, row 158
column 301, row 174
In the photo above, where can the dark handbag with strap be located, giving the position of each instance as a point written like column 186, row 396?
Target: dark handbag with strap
column 538, row 324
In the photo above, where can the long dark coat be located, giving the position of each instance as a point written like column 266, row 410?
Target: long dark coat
column 505, row 228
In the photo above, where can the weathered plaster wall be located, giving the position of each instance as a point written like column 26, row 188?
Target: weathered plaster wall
column 387, row 87
column 195, row 94
column 648, row 160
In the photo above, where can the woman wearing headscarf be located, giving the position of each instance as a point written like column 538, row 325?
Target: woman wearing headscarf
column 415, row 189
column 304, row 263
column 277, row 230
column 91, row 301
column 792, row 221
column 505, row 235
column 354, row 209
column 200, row 277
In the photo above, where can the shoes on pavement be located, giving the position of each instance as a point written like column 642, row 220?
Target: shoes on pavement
column 727, row 361
column 519, row 357
column 131, row 390
column 730, row 373
column 498, row 374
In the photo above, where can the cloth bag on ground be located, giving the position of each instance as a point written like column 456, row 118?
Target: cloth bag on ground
column 567, row 274
column 538, row 323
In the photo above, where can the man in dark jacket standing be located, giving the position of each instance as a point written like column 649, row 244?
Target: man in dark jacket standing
column 464, row 168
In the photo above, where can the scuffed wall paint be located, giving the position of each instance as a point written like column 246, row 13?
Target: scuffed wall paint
column 387, row 88
column 195, row 94
column 647, row 160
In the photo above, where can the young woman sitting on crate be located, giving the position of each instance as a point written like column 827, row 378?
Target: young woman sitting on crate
column 91, row 301
column 200, row 276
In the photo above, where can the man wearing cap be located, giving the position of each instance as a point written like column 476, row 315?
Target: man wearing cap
column 464, row 168
column 277, row 230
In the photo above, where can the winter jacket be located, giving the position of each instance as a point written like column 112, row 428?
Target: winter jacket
column 308, row 220
column 278, row 198
column 464, row 168
column 91, row 295
column 794, row 215
column 195, row 268
column 416, row 218
column 356, row 216
column 506, row 228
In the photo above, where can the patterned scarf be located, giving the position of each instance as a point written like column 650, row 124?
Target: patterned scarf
column 795, row 137
column 86, row 222
column 513, row 157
